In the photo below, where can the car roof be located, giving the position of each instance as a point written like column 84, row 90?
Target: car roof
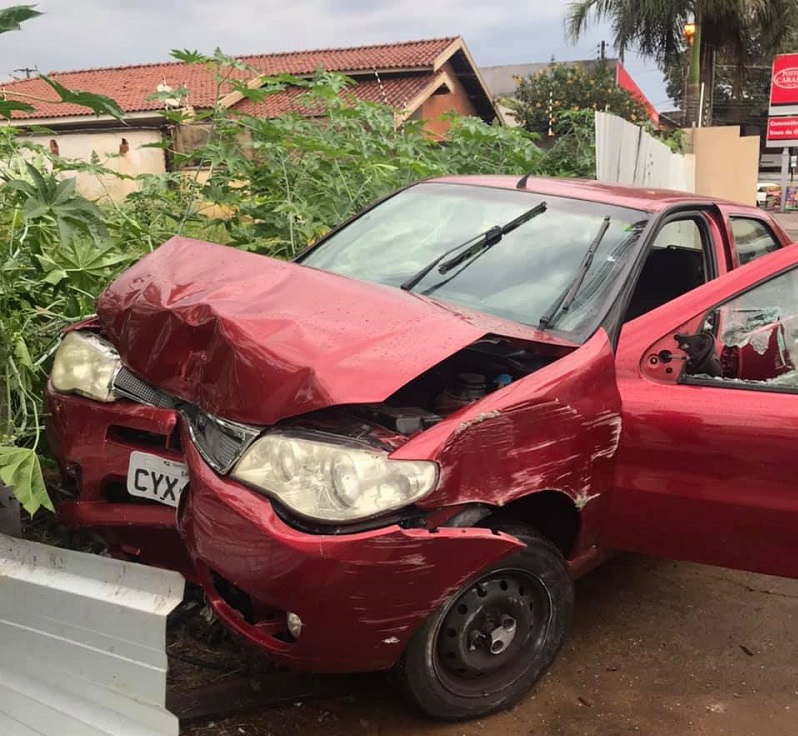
column 619, row 195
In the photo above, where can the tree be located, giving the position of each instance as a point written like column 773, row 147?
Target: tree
column 541, row 99
column 730, row 98
column 734, row 96
column 657, row 29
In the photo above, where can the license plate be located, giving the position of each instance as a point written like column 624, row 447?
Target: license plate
column 155, row 478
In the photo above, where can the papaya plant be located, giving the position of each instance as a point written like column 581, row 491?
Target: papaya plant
column 266, row 184
column 54, row 252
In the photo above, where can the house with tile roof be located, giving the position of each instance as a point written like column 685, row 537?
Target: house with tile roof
column 419, row 79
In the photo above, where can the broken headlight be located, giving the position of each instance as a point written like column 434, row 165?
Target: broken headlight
column 327, row 480
column 85, row 365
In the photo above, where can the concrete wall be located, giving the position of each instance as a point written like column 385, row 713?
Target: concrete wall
column 726, row 164
column 106, row 145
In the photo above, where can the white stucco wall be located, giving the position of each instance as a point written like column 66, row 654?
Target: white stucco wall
column 105, row 145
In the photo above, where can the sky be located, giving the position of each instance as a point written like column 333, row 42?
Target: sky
column 80, row 34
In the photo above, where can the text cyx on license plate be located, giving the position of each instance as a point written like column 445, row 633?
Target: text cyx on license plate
column 156, row 478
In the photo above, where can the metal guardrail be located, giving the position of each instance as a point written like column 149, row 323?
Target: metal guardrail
column 82, row 643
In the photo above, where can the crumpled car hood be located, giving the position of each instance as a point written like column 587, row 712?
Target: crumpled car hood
column 256, row 340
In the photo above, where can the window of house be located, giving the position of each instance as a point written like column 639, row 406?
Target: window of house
column 752, row 238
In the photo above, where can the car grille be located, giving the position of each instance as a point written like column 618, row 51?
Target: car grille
column 131, row 386
column 220, row 442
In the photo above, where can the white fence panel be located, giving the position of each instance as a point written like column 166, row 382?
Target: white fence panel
column 82, row 643
column 626, row 154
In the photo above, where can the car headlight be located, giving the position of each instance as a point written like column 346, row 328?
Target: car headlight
column 85, row 365
column 327, row 480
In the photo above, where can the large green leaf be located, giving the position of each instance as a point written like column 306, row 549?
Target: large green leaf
column 11, row 19
column 190, row 56
column 22, row 354
column 7, row 107
column 34, row 208
column 45, row 186
column 21, row 186
column 223, row 60
column 21, row 472
column 99, row 104
column 64, row 191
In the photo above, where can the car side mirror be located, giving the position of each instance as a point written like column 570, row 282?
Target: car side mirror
column 701, row 354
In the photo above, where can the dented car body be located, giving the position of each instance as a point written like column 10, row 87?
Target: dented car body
column 400, row 449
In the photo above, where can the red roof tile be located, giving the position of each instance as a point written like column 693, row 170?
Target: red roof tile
column 397, row 91
column 130, row 86
column 407, row 55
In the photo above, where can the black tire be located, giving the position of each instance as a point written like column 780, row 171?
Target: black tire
column 494, row 638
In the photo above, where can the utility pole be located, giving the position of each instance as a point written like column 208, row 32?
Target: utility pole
column 692, row 107
column 26, row 70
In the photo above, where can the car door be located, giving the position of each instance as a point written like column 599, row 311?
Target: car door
column 707, row 465
column 751, row 234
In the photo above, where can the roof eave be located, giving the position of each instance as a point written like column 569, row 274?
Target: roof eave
column 442, row 79
column 459, row 45
column 89, row 118
column 234, row 97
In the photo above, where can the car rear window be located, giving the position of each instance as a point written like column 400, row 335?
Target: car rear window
column 752, row 238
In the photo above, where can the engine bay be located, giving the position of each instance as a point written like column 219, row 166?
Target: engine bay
column 485, row 366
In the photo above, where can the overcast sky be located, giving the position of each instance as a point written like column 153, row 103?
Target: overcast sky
column 79, row 34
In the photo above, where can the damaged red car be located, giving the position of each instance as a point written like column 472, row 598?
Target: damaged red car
column 400, row 450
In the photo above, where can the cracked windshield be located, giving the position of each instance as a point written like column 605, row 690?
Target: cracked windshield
column 519, row 278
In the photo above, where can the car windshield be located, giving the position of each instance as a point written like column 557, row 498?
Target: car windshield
column 519, row 278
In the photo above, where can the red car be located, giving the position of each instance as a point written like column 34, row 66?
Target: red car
column 399, row 450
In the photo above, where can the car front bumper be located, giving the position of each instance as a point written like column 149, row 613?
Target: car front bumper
column 92, row 443
column 360, row 597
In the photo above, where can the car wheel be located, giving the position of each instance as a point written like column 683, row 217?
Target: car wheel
column 494, row 638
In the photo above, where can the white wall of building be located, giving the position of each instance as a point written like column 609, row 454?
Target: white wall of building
column 104, row 146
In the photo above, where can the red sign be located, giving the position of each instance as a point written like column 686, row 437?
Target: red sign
column 784, row 84
column 783, row 132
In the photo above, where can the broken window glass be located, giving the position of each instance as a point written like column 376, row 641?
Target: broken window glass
column 757, row 335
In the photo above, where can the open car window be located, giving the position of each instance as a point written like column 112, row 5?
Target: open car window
column 754, row 339
column 678, row 261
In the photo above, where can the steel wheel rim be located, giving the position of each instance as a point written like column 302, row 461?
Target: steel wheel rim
column 491, row 631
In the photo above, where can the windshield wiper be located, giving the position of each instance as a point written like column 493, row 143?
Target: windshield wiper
column 474, row 245
column 566, row 299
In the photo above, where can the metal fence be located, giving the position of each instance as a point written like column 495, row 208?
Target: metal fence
column 627, row 154
column 82, row 643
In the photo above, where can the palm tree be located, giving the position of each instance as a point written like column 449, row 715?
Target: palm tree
column 657, row 29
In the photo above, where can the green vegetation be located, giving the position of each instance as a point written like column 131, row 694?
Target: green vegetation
column 693, row 33
column 265, row 185
column 542, row 100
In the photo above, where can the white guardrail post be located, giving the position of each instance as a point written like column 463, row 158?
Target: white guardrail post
column 82, row 643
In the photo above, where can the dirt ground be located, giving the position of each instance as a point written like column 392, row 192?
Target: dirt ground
column 657, row 648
